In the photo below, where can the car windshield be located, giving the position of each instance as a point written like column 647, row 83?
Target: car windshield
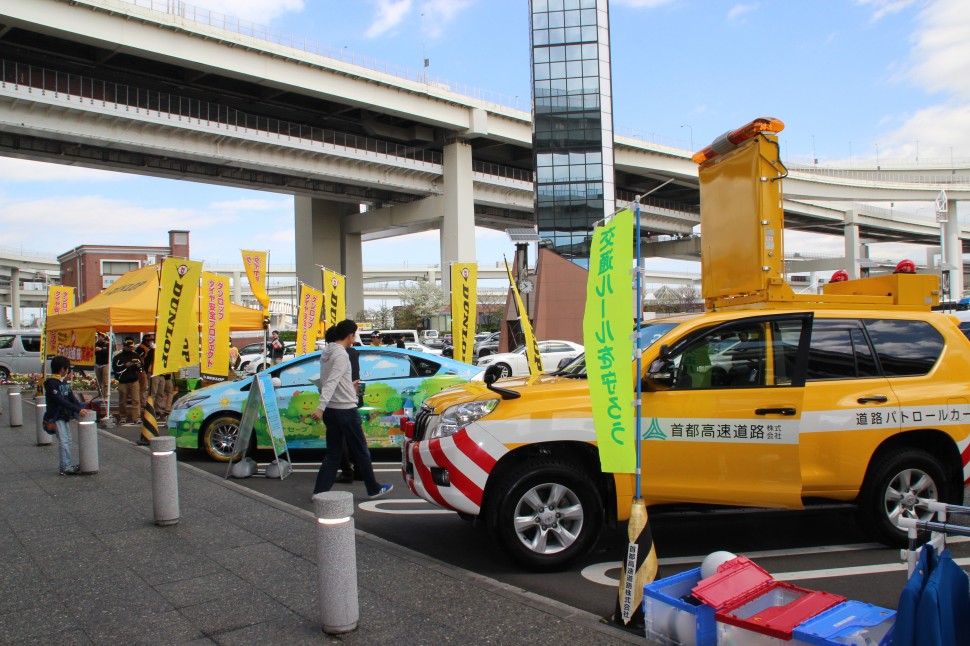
column 650, row 333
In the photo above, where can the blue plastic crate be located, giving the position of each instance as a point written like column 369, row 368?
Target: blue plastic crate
column 672, row 621
column 850, row 622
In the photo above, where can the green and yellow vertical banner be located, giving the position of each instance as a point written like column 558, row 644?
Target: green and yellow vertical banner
column 256, row 263
column 308, row 319
column 214, row 319
column 334, row 297
column 607, row 335
column 531, row 347
column 60, row 299
column 176, row 325
column 464, row 309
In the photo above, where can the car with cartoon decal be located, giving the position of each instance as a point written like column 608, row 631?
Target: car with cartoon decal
column 396, row 381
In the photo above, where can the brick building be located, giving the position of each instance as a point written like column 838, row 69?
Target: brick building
column 91, row 268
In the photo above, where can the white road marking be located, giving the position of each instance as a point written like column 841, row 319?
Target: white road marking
column 597, row 572
column 376, row 506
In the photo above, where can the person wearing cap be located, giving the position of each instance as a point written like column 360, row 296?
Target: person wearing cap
column 126, row 367
column 146, row 353
column 101, row 361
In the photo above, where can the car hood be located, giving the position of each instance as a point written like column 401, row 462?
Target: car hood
column 541, row 386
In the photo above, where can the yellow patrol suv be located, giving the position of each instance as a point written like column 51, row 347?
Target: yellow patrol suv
column 767, row 399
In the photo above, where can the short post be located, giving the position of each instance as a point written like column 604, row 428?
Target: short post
column 43, row 437
column 15, row 405
column 87, row 445
column 165, row 484
column 336, row 561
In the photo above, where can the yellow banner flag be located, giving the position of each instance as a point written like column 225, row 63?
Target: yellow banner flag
column 256, row 269
column 60, row 299
column 335, row 297
column 214, row 317
column 176, row 326
column 464, row 309
column 609, row 347
column 531, row 347
column 308, row 319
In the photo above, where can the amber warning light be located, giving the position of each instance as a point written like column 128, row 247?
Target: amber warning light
column 731, row 140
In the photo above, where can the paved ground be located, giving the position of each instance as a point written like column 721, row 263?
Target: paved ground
column 81, row 561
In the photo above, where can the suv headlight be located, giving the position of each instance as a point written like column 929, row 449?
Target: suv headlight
column 189, row 402
column 458, row 417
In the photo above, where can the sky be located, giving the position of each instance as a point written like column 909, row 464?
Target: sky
column 851, row 79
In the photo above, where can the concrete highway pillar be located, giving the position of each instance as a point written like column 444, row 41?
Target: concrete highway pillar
column 237, row 287
column 320, row 240
column 165, row 483
column 15, row 297
column 458, row 224
column 852, row 244
column 336, row 561
column 954, row 250
column 43, row 437
column 87, row 444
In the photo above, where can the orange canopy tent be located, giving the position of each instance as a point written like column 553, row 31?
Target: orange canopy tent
column 130, row 305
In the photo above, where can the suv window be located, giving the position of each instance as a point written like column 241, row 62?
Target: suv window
column 905, row 348
column 30, row 343
column 839, row 350
column 6, row 341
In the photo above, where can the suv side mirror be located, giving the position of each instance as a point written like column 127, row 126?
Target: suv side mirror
column 660, row 375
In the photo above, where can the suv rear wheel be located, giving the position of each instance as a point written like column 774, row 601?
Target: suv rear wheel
column 550, row 514
column 896, row 480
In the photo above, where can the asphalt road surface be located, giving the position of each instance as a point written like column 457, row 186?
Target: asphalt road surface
column 820, row 549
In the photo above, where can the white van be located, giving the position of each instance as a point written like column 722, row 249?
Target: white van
column 429, row 334
column 19, row 353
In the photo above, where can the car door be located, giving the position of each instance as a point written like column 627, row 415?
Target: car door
column 298, row 395
column 722, row 427
column 390, row 383
column 28, row 355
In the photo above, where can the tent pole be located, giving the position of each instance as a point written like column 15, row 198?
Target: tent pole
column 109, row 423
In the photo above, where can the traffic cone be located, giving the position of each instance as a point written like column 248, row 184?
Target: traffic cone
column 639, row 569
column 149, row 427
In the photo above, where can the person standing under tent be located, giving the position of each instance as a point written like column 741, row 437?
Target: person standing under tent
column 102, row 359
column 126, row 367
column 146, row 352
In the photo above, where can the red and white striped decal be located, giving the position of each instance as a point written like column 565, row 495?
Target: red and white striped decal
column 469, row 457
column 965, row 456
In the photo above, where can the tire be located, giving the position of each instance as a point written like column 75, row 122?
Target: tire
column 894, row 480
column 550, row 514
column 4, row 374
column 506, row 370
column 219, row 436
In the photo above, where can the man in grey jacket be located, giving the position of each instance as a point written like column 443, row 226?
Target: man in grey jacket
column 338, row 410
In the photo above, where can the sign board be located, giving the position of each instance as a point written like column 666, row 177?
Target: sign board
column 262, row 397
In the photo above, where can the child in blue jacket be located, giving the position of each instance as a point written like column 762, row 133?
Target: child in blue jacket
column 62, row 406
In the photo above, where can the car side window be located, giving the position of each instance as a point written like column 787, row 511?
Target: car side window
column 377, row 366
column 905, row 348
column 424, row 367
column 30, row 343
column 302, row 373
column 839, row 350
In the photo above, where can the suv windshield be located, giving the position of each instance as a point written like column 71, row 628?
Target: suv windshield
column 649, row 334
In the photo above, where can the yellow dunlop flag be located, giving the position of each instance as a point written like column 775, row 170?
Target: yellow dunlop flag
column 59, row 300
column 607, row 329
column 335, row 297
column 176, row 327
column 256, row 269
column 464, row 309
column 308, row 318
column 214, row 318
column 531, row 347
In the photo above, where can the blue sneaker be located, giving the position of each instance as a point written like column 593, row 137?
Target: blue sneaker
column 383, row 490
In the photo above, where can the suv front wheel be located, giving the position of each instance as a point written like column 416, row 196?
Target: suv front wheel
column 896, row 480
column 551, row 513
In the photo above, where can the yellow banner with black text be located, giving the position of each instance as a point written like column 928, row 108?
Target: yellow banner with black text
column 176, row 326
column 531, row 347
column 464, row 309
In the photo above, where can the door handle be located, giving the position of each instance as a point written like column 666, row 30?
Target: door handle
column 873, row 399
column 786, row 410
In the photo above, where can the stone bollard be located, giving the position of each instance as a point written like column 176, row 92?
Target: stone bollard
column 165, row 484
column 15, row 404
column 43, row 437
column 336, row 561
column 87, row 445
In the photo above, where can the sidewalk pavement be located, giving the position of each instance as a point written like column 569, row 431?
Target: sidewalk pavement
column 82, row 562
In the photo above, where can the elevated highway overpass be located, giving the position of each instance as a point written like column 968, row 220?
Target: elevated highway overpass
column 159, row 88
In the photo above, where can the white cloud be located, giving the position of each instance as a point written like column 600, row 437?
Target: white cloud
column 258, row 11
column 437, row 14
column 738, row 10
column 884, row 8
column 389, row 14
column 642, row 4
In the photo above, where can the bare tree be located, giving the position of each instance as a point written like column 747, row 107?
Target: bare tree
column 687, row 297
